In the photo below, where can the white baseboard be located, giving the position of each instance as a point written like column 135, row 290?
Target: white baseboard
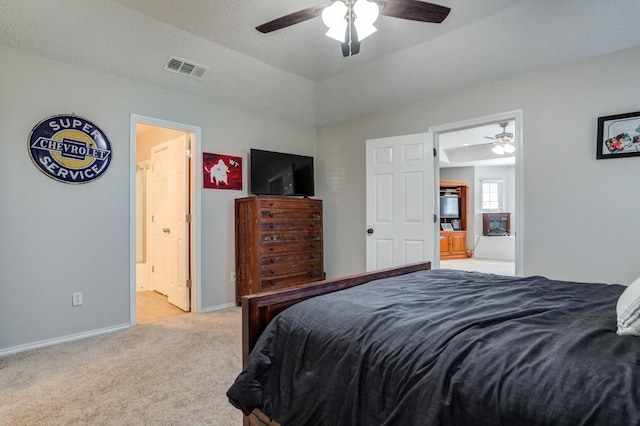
column 57, row 340
column 218, row 307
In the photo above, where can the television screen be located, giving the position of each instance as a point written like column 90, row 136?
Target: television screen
column 278, row 173
column 449, row 207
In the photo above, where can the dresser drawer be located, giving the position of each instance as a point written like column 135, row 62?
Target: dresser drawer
column 273, row 283
column 281, row 225
column 298, row 204
column 286, row 215
column 288, row 268
column 291, row 236
column 275, row 247
column 291, row 257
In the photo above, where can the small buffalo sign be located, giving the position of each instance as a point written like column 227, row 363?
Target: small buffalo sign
column 221, row 171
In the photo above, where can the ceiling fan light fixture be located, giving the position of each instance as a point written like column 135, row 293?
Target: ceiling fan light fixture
column 366, row 14
column 504, row 142
column 351, row 21
column 334, row 17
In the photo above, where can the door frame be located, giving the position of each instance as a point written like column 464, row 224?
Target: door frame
column 195, row 189
column 517, row 116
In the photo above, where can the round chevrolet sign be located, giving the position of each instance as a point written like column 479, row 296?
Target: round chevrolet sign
column 69, row 149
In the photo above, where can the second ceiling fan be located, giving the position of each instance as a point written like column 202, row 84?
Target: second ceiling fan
column 351, row 21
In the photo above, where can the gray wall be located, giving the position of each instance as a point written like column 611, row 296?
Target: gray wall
column 59, row 238
column 579, row 212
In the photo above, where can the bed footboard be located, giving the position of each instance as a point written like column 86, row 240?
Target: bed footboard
column 260, row 308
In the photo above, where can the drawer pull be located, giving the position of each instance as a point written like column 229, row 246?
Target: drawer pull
column 271, row 248
column 272, row 272
column 272, row 260
column 270, row 204
column 272, row 282
column 313, row 225
column 270, row 214
column 271, row 225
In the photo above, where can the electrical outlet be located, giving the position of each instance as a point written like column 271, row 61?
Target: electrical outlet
column 76, row 299
column 233, row 277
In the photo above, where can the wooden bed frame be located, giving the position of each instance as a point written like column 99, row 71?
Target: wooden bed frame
column 260, row 308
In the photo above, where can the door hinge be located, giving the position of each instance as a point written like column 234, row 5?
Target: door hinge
column 153, row 218
column 188, row 218
column 188, row 283
column 153, row 268
column 435, row 218
column 435, row 152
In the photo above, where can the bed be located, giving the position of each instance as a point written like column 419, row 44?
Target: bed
column 414, row 346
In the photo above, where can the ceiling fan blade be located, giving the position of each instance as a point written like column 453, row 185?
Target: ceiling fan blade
column 414, row 10
column 291, row 19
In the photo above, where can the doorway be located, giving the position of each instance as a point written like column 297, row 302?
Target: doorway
column 496, row 170
column 164, row 217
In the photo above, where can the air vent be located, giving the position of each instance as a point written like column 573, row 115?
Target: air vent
column 184, row 67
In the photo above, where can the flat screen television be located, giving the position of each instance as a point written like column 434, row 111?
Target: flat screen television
column 449, row 207
column 279, row 173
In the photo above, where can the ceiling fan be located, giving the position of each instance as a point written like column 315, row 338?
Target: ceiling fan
column 351, row 21
column 503, row 141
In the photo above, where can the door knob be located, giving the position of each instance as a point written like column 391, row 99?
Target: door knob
column 166, row 230
column 370, row 231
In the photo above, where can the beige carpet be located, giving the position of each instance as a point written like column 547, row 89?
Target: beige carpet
column 171, row 372
column 500, row 267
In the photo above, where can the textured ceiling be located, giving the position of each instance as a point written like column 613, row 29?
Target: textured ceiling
column 301, row 49
column 297, row 73
column 473, row 146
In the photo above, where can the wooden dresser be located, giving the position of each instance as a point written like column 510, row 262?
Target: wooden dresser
column 278, row 243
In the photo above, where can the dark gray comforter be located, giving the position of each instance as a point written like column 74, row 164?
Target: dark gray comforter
column 447, row 348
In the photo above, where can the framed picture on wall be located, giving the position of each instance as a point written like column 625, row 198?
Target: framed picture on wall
column 221, row 171
column 618, row 136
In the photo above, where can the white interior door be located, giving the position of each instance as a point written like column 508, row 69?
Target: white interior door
column 160, row 243
column 170, row 180
column 400, row 200
column 178, row 222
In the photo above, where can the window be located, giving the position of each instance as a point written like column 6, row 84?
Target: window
column 492, row 195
